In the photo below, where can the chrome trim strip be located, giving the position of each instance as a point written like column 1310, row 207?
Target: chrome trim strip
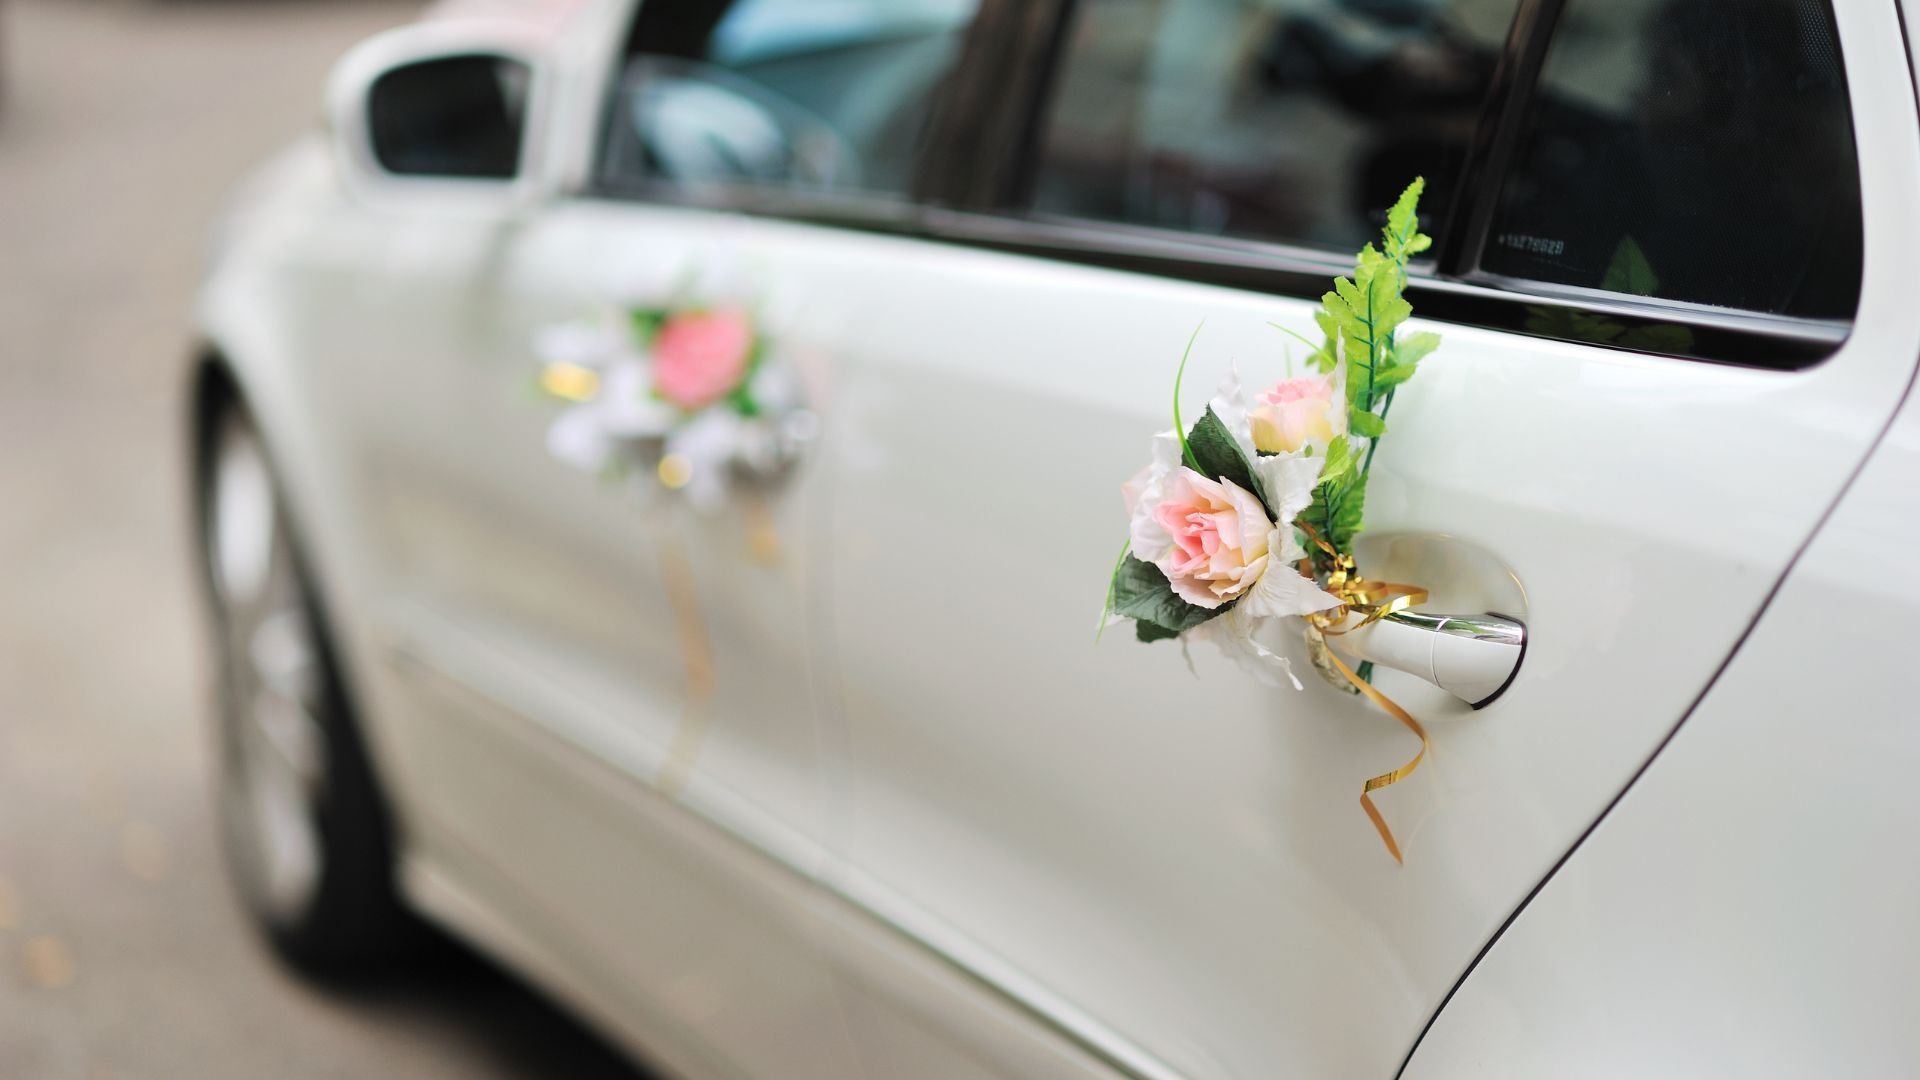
column 1488, row 627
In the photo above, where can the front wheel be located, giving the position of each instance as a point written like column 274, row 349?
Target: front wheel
column 305, row 830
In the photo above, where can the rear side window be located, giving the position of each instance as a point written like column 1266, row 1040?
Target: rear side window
column 833, row 95
column 1277, row 120
column 1690, row 150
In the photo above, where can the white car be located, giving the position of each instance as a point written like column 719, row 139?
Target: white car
column 824, row 774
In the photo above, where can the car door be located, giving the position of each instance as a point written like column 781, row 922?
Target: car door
column 1637, row 417
column 599, row 699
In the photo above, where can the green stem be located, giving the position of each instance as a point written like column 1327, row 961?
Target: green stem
column 1179, row 426
column 1374, row 444
column 1373, row 347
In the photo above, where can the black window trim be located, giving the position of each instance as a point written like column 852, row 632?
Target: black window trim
column 961, row 196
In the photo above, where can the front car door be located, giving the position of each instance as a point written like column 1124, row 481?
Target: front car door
column 595, row 696
column 1671, row 294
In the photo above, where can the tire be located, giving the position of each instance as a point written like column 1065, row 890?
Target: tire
column 305, row 830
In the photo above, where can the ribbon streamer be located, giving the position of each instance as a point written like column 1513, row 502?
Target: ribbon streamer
column 695, row 652
column 1366, row 792
column 1372, row 601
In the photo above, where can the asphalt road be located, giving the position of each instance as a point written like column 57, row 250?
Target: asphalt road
column 122, row 952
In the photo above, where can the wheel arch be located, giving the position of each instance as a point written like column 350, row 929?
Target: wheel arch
column 216, row 383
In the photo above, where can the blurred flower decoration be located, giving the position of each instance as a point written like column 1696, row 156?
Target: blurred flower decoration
column 684, row 392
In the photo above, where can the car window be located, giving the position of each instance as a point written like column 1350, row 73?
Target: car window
column 1691, row 150
column 1286, row 120
column 810, row 94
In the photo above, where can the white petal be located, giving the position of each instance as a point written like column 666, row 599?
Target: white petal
column 1150, row 540
column 1230, row 406
column 1166, row 453
column 1283, row 590
column 641, row 418
column 711, row 436
column 577, row 439
column 1235, row 633
column 775, row 388
column 1289, row 480
column 626, row 405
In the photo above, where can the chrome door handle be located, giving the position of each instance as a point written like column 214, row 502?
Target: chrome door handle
column 1472, row 657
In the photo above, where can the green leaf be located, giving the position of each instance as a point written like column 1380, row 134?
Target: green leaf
column 742, row 401
column 1363, row 314
column 1151, row 632
column 1403, row 220
column 646, row 323
column 1414, row 348
column 1219, row 456
column 1141, row 593
column 1348, row 510
column 1629, row 272
column 1392, row 377
column 1339, row 498
column 1339, row 461
column 1407, row 354
column 1113, row 580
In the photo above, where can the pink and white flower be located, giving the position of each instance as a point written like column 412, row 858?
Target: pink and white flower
column 1211, row 536
column 1215, row 542
column 699, row 357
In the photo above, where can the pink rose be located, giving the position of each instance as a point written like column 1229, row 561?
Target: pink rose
column 1219, row 535
column 698, row 358
column 1297, row 412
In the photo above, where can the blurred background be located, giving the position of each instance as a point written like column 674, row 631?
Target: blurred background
column 122, row 953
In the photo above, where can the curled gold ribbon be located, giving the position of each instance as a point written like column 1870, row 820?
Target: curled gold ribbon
column 1366, row 792
column 1372, row 601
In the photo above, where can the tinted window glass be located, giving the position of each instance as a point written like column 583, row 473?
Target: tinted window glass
column 1696, row 150
column 1292, row 120
column 823, row 94
column 458, row 116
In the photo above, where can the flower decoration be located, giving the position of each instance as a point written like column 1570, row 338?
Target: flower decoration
column 1247, row 517
column 683, row 391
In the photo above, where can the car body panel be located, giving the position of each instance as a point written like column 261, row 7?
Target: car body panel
column 932, row 825
column 1747, row 908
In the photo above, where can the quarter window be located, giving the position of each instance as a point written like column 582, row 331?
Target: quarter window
column 1280, row 120
column 1690, row 150
column 824, row 95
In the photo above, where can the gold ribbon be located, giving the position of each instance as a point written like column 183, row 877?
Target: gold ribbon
column 696, row 650
column 677, row 572
column 1372, row 601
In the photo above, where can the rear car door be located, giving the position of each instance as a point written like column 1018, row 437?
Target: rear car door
column 1670, row 285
